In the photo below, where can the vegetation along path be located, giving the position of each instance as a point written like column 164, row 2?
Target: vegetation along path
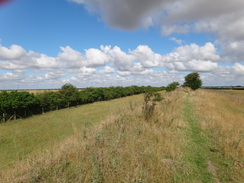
column 197, row 152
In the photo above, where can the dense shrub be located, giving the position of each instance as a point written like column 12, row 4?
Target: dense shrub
column 172, row 86
column 17, row 104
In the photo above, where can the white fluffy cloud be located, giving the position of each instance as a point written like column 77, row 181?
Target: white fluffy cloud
column 195, row 65
column 107, row 70
column 85, row 71
column 147, row 57
column 12, row 53
column 91, row 58
column 193, row 51
column 238, row 68
column 16, row 58
column 9, row 77
column 112, row 66
column 40, row 61
column 188, row 58
column 118, row 58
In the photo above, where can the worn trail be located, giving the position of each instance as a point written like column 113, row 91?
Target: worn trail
column 197, row 149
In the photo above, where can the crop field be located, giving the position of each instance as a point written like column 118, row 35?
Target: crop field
column 40, row 91
column 191, row 136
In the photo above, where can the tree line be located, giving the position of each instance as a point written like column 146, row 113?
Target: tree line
column 15, row 104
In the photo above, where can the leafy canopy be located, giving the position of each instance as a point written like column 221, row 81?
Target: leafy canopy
column 193, row 81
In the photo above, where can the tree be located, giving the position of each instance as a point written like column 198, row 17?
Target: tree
column 56, row 100
column 172, row 86
column 193, row 81
column 70, row 93
column 43, row 101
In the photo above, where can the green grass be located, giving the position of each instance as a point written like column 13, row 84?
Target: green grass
column 21, row 138
column 196, row 150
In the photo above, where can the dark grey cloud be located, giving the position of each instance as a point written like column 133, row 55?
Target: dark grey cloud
column 124, row 14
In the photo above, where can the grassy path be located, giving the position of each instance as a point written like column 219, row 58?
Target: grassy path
column 197, row 153
column 221, row 119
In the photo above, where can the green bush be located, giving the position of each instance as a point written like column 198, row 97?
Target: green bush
column 172, row 86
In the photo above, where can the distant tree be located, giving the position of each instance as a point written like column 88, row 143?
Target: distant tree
column 193, row 81
column 69, row 93
column 172, row 86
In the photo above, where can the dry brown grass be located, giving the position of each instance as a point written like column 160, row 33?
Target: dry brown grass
column 222, row 119
column 127, row 148
column 124, row 148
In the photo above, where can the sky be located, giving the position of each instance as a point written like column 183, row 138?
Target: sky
column 99, row 43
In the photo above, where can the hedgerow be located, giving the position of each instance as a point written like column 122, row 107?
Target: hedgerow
column 17, row 104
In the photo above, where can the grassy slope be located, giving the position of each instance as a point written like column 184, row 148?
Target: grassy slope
column 115, row 151
column 20, row 138
column 174, row 146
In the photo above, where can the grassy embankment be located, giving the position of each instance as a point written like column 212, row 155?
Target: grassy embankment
column 174, row 146
column 27, row 136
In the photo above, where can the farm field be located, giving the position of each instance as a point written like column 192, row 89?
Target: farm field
column 40, row 91
column 193, row 136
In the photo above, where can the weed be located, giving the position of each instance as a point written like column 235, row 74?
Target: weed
column 97, row 175
column 132, row 105
column 150, row 102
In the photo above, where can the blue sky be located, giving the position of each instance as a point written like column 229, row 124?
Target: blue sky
column 47, row 43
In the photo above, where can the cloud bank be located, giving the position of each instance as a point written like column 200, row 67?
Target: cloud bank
column 109, row 65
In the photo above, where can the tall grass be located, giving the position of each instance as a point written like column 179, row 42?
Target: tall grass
column 25, row 137
column 173, row 145
column 222, row 119
column 124, row 148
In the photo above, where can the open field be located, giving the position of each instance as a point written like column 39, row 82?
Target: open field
column 39, row 91
column 193, row 136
